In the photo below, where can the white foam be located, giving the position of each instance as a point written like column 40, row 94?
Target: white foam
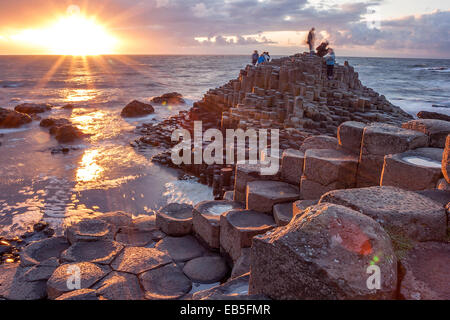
column 424, row 162
column 217, row 210
column 187, row 191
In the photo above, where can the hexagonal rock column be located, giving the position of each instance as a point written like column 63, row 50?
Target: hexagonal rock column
column 181, row 249
column 137, row 260
column 283, row 213
column 41, row 251
column 237, row 229
column 319, row 142
column 175, row 219
column 446, row 160
column 350, row 136
column 292, row 166
column 206, row 219
column 326, row 170
column 90, row 230
column 380, row 140
column 119, row 286
column 417, row 169
column 328, row 242
column 101, row 252
column 206, row 270
column 165, row 283
column 424, row 272
column 263, row 195
column 89, row 274
column 437, row 130
column 246, row 173
column 406, row 215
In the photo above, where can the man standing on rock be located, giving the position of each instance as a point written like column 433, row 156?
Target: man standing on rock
column 311, row 40
column 255, row 57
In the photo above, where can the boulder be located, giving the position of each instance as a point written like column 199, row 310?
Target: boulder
column 79, row 295
column 33, row 108
column 242, row 265
column 424, row 272
column 404, row 214
column 89, row 274
column 119, row 286
column 319, row 142
column 206, row 220
column 436, row 130
column 15, row 286
column 433, row 115
column 175, row 219
column 173, row 98
column 350, row 136
column 263, row 195
column 90, row 230
column 380, row 140
column 328, row 242
column 417, row 169
column 100, row 252
column 292, row 166
column 282, row 213
column 206, row 270
column 13, row 119
column 67, row 134
column 299, row 206
column 181, row 249
column 137, row 260
column 446, row 160
column 137, row 109
column 238, row 227
column 165, row 283
column 40, row 251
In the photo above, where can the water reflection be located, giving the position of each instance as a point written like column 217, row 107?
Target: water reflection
column 80, row 95
column 89, row 170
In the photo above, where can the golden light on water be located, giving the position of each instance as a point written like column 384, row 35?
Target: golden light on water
column 89, row 170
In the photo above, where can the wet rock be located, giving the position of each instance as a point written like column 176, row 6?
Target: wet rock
column 89, row 274
column 436, row 130
column 328, row 242
column 13, row 119
column 43, row 250
column 135, row 238
column 165, row 283
column 54, row 122
column 137, row 260
column 175, row 219
column 173, row 98
column 33, row 108
column 417, row 169
column 446, row 160
column 380, row 140
column 14, row 286
column 263, row 195
column 319, row 142
column 68, row 133
column 242, row 265
column 404, row 214
column 433, row 115
column 350, row 136
column 424, row 272
column 292, row 166
column 137, row 109
column 181, row 249
column 90, row 230
column 206, row 220
column 283, row 213
column 208, row 269
column 100, row 252
column 119, row 286
column 238, row 227
column 82, row 294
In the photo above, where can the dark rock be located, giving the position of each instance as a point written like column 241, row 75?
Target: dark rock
column 14, row 286
column 52, row 122
column 175, row 219
column 263, row 195
column 82, row 294
column 436, row 130
column 432, row 115
column 101, row 252
column 208, row 269
column 40, row 251
column 181, row 249
column 137, row 109
column 137, row 260
column 13, row 119
column 173, row 98
column 90, row 230
column 119, row 286
column 33, row 108
column 68, row 133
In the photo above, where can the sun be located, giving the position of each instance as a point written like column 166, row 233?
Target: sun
column 72, row 34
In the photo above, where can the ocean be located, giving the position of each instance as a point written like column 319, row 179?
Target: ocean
column 104, row 173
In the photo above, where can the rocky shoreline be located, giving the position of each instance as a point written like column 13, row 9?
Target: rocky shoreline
column 363, row 188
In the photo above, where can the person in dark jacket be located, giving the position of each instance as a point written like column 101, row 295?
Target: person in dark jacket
column 255, row 57
column 330, row 59
column 311, row 40
column 322, row 50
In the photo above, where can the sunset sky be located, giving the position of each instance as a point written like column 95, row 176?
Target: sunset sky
column 391, row 28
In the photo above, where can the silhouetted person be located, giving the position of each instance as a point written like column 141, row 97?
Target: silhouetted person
column 322, row 50
column 255, row 57
column 311, row 40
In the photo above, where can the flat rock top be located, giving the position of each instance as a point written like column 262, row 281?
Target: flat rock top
column 383, row 128
column 249, row 220
column 182, row 248
column 428, row 126
column 42, row 250
column 293, row 153
column 273, row 189
column 137, row 260
column 330, row 155
column 102, row 251
column 209, row 269
column 319, row 142
column 177, row 211
column 382, row 199
column 414, row 156
column 426, row 269
column 217, row 208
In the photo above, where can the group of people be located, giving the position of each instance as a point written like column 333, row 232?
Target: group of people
column 323, row 51
column 258, row 59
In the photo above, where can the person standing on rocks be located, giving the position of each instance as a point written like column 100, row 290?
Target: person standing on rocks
column 330, row 59
column 255, row 57
column 267, row 56
column 261, row 59
column 311, row 40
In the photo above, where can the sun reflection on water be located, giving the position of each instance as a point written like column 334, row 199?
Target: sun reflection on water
column 89, row 169
column 80, row 95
